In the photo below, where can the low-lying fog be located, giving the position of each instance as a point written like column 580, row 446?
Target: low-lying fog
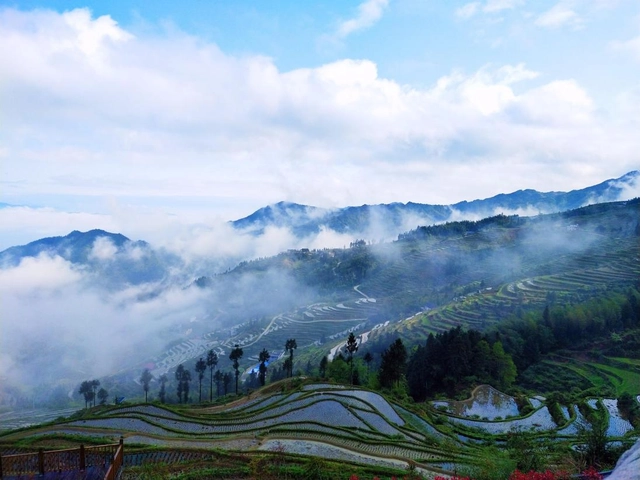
column 63, row 323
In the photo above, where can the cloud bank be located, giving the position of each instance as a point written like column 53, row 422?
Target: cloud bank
column 100, row 112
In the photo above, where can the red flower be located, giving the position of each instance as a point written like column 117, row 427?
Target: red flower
column 592, row 474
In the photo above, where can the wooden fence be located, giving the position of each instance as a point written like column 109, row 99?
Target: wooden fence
column 41, row 462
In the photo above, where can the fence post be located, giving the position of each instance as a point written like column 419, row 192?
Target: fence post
column 120, row 452
column 82, row 459
column 41, row 461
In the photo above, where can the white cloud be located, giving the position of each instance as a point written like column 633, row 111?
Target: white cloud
column 57, row 325
column 469, row 10
column 103, row 249
column 369, row 13
column 38, row 276
column 173, row 118
column 562, row 100
column 561, row 14
column 490, row 91
column 494, row 6
column 21, row 225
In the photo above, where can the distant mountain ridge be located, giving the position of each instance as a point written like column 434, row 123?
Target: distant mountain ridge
column 75, row 247
column 116, row 259
column 391, row 219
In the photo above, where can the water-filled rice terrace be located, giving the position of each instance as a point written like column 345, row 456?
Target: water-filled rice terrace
column 308, row 325
column 358, row 425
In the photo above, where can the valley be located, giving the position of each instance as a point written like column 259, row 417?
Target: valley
column 573, row 271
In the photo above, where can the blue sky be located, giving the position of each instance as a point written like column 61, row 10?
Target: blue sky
column 197, row 112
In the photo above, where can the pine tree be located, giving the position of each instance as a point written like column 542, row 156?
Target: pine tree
column 394, row 360
column 352, row 347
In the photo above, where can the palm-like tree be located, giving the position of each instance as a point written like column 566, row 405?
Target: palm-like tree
column 262, row 371
column 289, row 346
column 235, row 356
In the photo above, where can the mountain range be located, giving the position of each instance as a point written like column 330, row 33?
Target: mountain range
column 389, row 220
column 149, row 311
column 137, row 262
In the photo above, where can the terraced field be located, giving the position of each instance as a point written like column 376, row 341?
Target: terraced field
column 580, row 275
column 618, row 375
column 324, row 420
column 472, row 279
column 308, row 325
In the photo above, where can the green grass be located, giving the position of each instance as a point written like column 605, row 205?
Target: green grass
column 552, row 376
column 609, row 380
column 599, row 380
column 624, row 381
column 630, row 361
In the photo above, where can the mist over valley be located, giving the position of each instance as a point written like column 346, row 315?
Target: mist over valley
column 99, row 305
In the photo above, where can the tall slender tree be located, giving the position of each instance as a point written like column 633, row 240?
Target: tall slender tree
column 186, row 378
column 183, row 376
column 179, row 390
column 352, row 347
column 226, row 380
column 145, row 379
column 212, row 361
column 368, row 358
column 201, row 367
column 262, row 370
column 94, row 387
column 162, row 394
column 289, row 346
column 86, row 390
column 235, row 356
column 286, row 367
column 218, row 376
column 322, row 368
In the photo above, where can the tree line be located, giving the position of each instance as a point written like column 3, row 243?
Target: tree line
column 183, row 377
column 448, row 362
column 456, row 360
